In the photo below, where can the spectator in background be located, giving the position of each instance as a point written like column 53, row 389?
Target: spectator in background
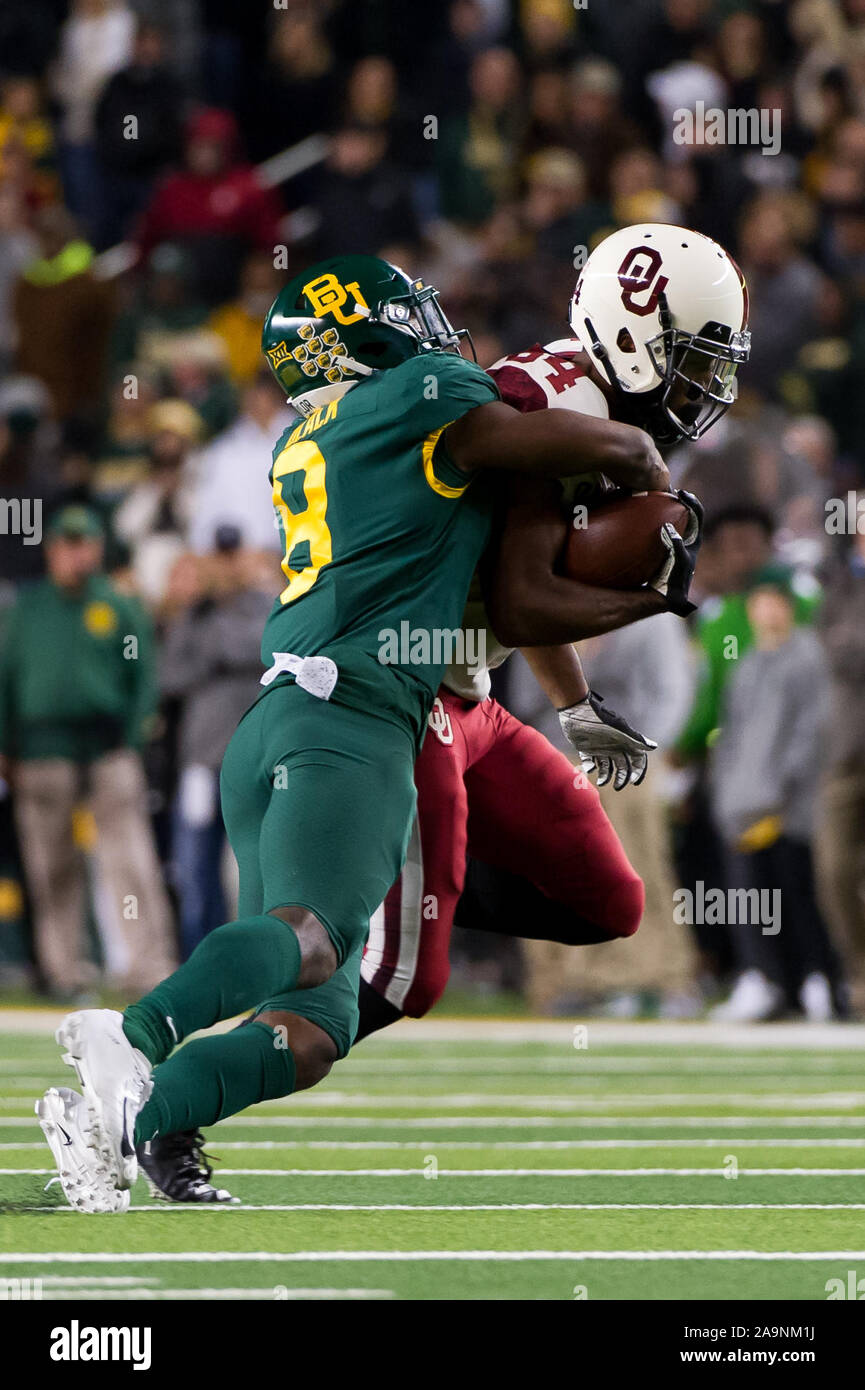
column 232, row 486
column 738, row 543
column 555, row 207
column 298, row 80
column 210, row 662
column 548, row 119
column 359, row 188
column 23, row 124
column 122, row 456
column 784, row 289
column 638, row 191
column 645, row 673
column 238, row 323
column 63, row 316
column 132, row 160
column 763, row 787
column 154, row 518
column 214, row 206
column 840, row 843
column 28, row 471
column 77, row 694
column 478, row 151
column 160, row 306
column 95, row 42
column 193, row 367
column 17, row 248
column 601, row 131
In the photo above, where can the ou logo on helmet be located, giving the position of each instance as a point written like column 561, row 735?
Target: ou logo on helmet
column 638, row 276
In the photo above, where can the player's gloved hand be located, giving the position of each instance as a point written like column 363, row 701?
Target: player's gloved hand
column 673, row 581
column 606, row 742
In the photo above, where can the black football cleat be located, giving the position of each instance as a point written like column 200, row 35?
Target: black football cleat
column 177, row 1169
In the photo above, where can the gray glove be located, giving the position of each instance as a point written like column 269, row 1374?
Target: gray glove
column 606, row 743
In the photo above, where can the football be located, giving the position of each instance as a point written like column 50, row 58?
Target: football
column 618, row 545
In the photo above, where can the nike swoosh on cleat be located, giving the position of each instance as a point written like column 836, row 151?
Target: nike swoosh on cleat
column 126, row 1149
column 66, row 1138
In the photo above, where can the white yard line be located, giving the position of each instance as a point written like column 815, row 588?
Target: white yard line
column 716, row 1172
column 512, row 1146
column 576, row 1105
column 169, row 1295
column 449, row 1122
column 841, row 1037
column 487, row 1100
column 578, row 1066
column 163, row 1207
column 391, row 1256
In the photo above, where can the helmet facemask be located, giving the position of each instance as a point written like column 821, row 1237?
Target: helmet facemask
column 420, row 314
column 697, row 374
column 698, row 371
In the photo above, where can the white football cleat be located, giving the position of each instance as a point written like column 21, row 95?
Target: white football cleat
column 83, row 1175
column 754, row 999
column 815, row 996
column 115, row 1082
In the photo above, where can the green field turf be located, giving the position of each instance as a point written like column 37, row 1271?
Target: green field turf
column 488, row 1160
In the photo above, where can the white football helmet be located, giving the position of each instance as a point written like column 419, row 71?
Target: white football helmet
column 663, row 314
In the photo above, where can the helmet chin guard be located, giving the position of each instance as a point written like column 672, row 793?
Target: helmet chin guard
column 662, row 312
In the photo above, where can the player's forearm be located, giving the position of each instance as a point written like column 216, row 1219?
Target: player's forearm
column 559, row 672
column 556, row 444
column 559, row 610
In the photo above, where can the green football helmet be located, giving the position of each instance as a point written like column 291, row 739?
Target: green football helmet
column 344, row 319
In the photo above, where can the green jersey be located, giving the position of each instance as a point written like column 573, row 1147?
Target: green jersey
column 77, row 672
column 381, row 534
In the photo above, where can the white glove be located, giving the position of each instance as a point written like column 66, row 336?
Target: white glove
column 606, row 743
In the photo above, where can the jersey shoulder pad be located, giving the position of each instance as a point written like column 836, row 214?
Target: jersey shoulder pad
column 547, row 377
column 436, row 388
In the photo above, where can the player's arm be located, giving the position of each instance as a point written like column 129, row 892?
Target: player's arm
column 529, row 603
column 605, row 742
column 555, row 444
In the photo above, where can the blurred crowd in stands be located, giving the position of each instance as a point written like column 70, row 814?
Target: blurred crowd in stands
column 165, row 165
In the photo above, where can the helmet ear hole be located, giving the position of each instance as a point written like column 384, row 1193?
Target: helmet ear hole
column 624, row 342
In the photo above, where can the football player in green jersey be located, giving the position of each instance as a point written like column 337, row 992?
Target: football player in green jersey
column 384, row 495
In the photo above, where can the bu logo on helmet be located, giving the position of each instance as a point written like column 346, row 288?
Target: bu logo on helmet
column 328, row 296
column 638, row 275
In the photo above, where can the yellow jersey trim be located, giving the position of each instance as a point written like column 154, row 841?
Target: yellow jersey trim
column 429, row 446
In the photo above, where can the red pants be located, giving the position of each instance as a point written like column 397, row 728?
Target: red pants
column 493, row 788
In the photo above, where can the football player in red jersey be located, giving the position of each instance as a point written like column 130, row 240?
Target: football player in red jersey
column 660, row 321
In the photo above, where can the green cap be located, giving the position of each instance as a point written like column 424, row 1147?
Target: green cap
column 773, row 575
column 76, row 523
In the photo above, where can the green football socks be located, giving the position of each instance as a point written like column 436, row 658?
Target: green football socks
column 214, row 1077
column 233, row 969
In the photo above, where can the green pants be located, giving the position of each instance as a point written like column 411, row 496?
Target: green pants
column 318, row 801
